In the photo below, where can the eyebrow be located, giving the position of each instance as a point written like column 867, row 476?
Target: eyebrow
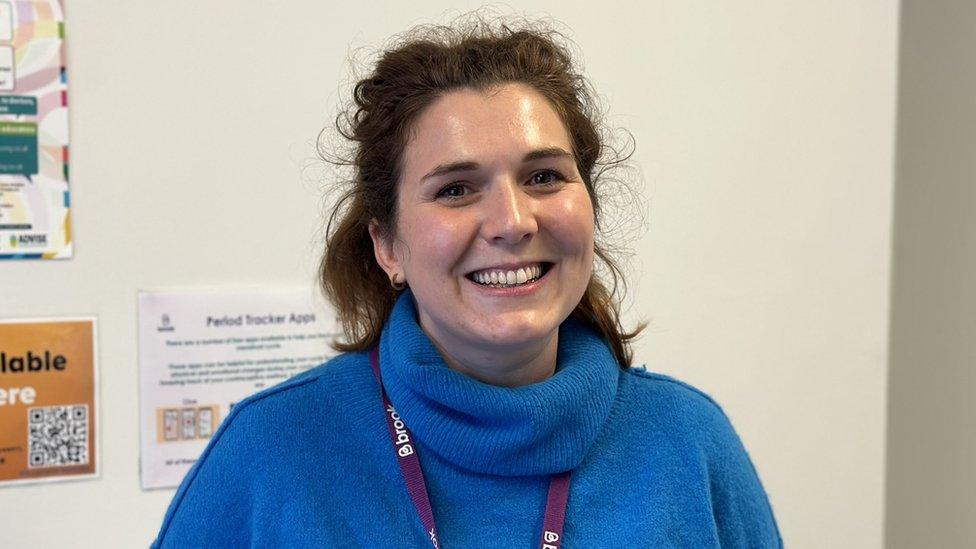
column 470, row 165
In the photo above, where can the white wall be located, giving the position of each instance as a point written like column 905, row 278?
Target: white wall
column 931, row 499
column 764, row 131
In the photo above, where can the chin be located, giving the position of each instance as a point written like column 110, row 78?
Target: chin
column 515, row 334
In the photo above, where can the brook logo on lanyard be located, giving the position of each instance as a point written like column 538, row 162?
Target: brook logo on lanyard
column 402, row 438
column 413, row 476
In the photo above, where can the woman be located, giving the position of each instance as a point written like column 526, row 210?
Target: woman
column 462, row 270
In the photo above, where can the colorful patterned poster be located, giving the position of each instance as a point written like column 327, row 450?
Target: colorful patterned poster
column 48, row 407
column 35, row 220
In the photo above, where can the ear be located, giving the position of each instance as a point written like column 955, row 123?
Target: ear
column 383, row 250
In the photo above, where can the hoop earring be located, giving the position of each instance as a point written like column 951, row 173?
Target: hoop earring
column 397, row 285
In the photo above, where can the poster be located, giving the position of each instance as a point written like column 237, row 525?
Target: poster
column 48, row 405
column 35, row 220
column 201, row 352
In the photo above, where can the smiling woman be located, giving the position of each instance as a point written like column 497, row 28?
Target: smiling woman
column 461, row 261
column 495, row 209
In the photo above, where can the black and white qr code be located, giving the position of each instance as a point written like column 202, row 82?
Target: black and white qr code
column 57, row 436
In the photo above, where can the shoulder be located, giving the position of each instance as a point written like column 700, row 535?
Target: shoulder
column 665, row 385
column 672, row 412
column 340, row 377
column 662, row 398
column 330, row 371
column 693, row 422
column 288, row 416
column 260, row 449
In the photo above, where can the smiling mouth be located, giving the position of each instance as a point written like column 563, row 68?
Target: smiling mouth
column 502, row 278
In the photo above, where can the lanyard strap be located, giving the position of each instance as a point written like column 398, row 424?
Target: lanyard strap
column 413, row 476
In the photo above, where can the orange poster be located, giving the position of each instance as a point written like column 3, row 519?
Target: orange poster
column 47, row 399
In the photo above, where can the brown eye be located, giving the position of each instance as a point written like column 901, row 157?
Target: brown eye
column 546, row 177
column 453, row 191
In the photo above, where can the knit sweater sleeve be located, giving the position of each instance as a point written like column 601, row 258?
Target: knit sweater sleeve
column 212, row 507
column 741, row 515
column 741, row 508
column 223, row 499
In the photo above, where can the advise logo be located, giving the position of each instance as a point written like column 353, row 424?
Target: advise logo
column 29, row 240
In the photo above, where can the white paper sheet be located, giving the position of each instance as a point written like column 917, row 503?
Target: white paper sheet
column 201, row 352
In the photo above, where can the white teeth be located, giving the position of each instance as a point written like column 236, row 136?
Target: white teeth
column 508, row 278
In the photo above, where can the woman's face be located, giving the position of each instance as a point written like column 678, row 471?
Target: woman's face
column 495, row 226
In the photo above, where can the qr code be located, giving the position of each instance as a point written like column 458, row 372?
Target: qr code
column 57, row 435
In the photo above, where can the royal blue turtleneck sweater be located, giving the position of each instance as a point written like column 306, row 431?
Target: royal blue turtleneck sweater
column 655, row 462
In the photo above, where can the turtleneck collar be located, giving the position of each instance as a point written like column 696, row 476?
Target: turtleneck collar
column 536, row 429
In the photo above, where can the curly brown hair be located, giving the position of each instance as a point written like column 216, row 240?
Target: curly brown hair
column 419, row 67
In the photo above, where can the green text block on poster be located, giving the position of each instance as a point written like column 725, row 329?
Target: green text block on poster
column 15, row 104
column 18, row 148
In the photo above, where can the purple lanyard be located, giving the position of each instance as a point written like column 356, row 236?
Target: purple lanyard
column 413, row 476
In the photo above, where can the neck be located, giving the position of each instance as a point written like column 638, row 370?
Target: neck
column 505, row 367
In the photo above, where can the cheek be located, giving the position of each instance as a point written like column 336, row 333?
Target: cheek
column 573, row 220
column 434, row 240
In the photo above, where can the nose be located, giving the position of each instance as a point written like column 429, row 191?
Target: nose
column 510, row 214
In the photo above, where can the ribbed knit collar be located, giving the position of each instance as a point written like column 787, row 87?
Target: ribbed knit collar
column 537, row 429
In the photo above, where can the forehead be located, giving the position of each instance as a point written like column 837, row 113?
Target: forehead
column 497, row 124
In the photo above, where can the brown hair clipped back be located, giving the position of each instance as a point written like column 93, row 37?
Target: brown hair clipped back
column 425, row 64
